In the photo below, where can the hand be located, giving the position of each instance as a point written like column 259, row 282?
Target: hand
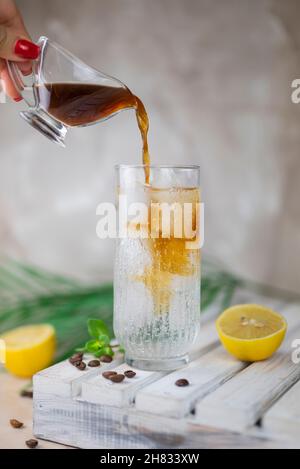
column 15, row 45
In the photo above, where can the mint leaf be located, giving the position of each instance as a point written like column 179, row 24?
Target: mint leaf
column 99, row 353
column 107, row 351
column 97, row 327
column 104, row 351
column 104, row 340
column 92, row 346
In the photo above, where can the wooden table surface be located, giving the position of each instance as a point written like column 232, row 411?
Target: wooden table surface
column 13, row 406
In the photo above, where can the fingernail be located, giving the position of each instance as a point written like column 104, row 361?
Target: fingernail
column 17, row 100
column 27, row 49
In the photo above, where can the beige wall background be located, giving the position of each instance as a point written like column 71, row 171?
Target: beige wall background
column 215, row 76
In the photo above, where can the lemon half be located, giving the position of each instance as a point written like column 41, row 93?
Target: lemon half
column 28, row 349
column 251, row 332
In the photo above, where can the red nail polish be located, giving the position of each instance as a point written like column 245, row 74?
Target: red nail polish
column 27, row 49
column 17, row 100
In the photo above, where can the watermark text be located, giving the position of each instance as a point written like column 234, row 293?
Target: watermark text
column 157, row 220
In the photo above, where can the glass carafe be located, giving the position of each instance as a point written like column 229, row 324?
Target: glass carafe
column 57, row 66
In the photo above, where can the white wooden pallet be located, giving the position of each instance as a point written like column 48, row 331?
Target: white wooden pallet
column 228, row 403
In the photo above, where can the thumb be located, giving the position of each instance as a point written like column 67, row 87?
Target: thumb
column 16, row 48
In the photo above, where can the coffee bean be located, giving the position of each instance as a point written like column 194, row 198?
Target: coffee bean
column 26, row 393
column 94, row 363
column 182, row 383
column 77, row 356
column 130, row 374
column 32, row 443
column 15, row 423
column 117, row 378
column 106, row 359
column 75, row 359
column 76, row 364
column 81, row 366
column 109, row 374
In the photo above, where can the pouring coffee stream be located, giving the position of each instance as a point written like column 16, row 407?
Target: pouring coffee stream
column 84, row 104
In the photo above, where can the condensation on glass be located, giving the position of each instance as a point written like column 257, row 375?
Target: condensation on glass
column 157, row 277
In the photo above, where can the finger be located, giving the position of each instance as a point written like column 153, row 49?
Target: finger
column 14, row 47
column 15, row 43
column 25, row 68
column 9, row 87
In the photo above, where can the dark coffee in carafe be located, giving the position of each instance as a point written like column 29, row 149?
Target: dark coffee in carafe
column 83, row 104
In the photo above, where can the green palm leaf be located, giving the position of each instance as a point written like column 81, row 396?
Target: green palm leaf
column 30, row 295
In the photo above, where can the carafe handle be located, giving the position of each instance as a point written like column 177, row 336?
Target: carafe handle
column 24, row 85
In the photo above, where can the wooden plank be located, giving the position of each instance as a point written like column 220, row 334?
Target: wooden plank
column 282, row 421
column 103, row 391
column 91, row 426
column 94, row 413
column 206, row 341
column 63, row 379
column 242, row 401
column 207, row 373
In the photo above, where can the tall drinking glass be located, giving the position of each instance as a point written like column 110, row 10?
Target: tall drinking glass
column 157, row 267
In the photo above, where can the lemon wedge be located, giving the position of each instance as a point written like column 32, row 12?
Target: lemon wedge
column 251, row 333
column 28, row 349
